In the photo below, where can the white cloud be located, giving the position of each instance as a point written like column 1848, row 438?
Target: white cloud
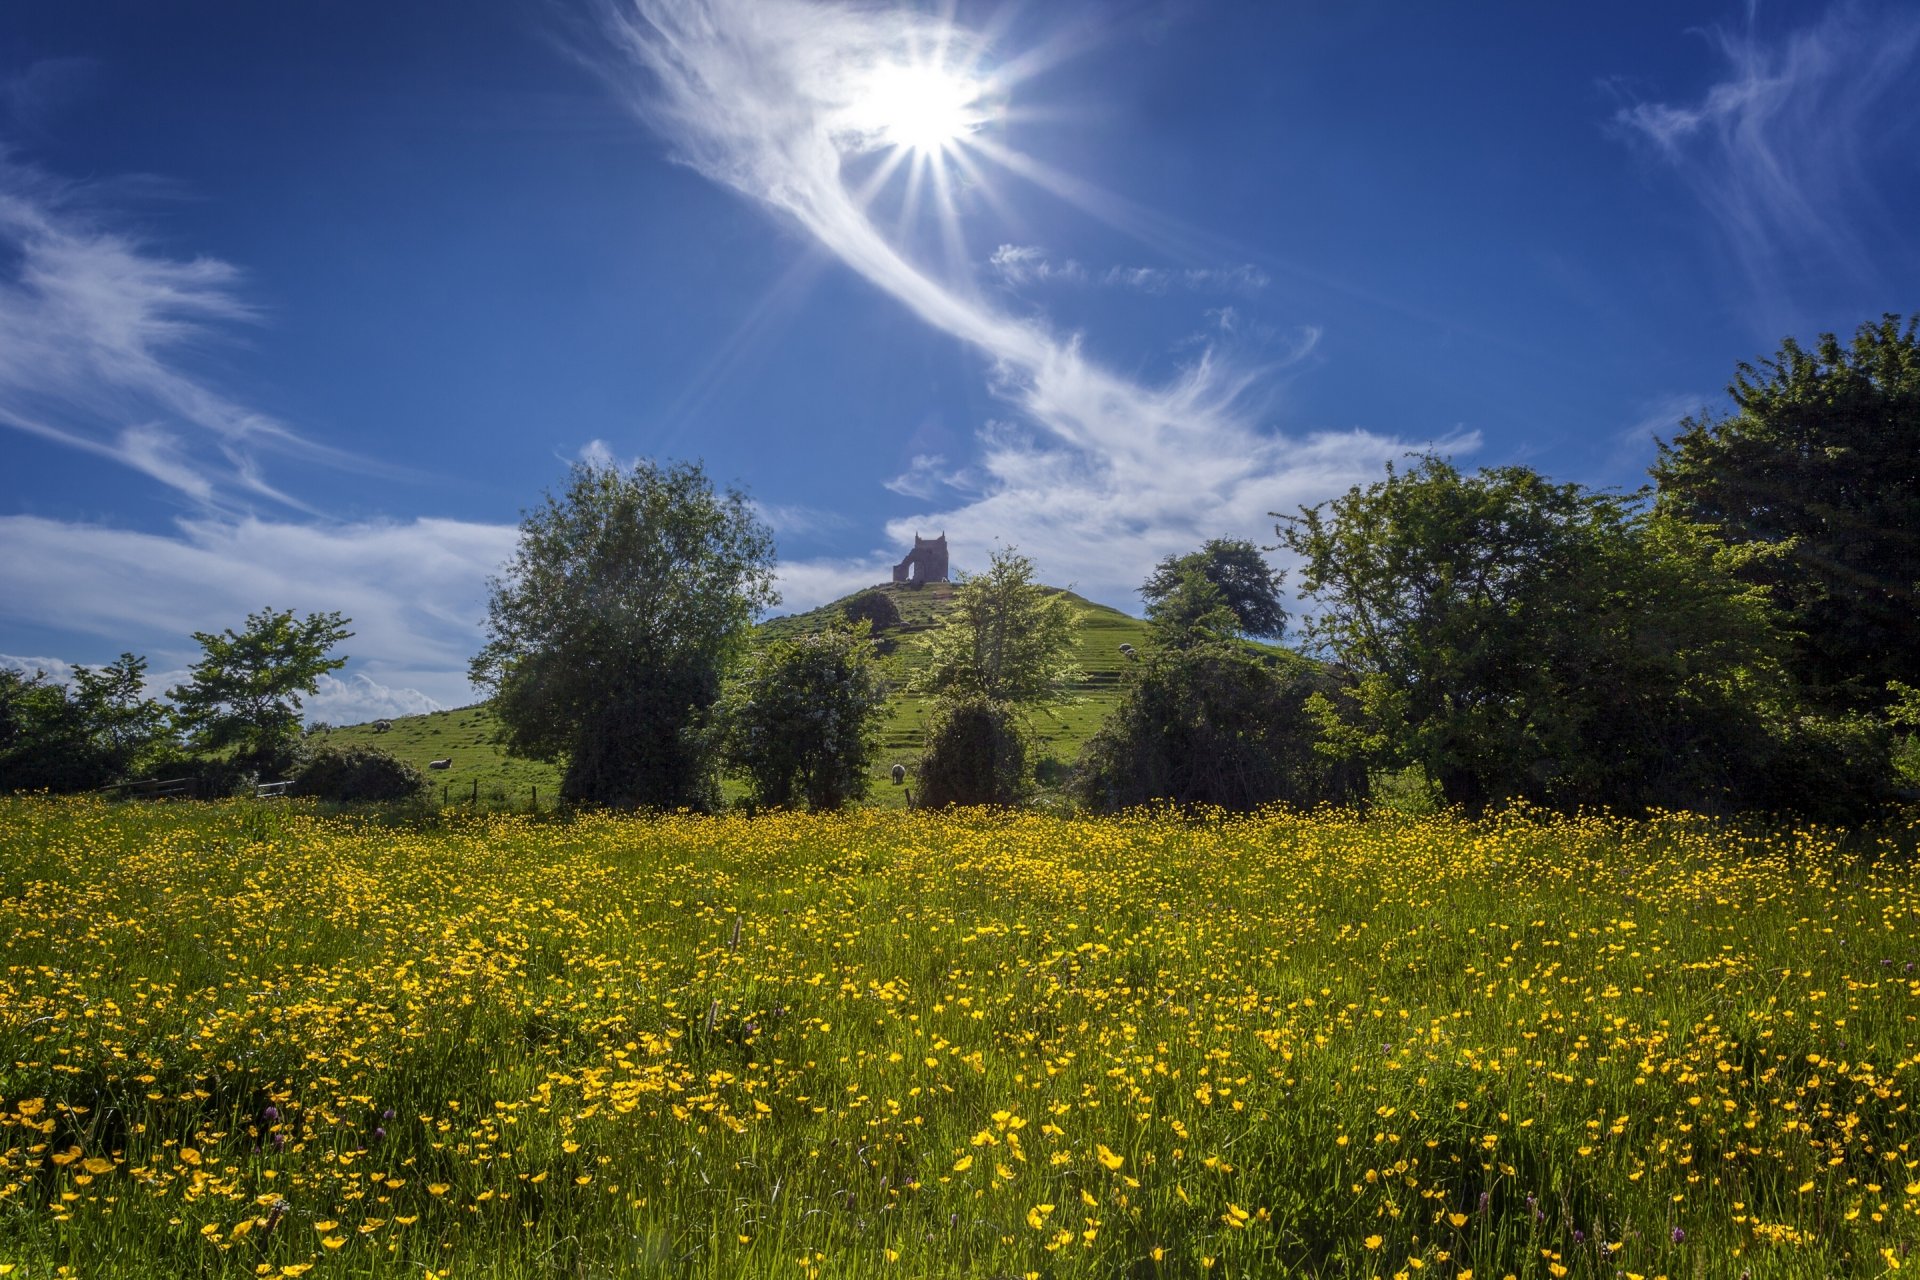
column 1110, row 474
column 53, row 668
column 360, row 698
column 797, row 518
column 808, row 584
column 1022, row 264
column 93, row 328
column 925, row 476
column 416, row 590
column 1777, row 151
column 1019, row 264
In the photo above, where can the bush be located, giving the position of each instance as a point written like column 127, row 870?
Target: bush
column 876, row 608
column 1215, row 725
column 975, row 754
column 355, row 775
column 802, row 722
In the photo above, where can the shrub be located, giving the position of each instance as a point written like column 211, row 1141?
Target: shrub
column 802, row 722
column 975, row 754
column 1215, row 725
column 356, row 775
column 876, row 608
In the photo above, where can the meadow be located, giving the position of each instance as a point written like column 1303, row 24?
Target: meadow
column 247, row 1039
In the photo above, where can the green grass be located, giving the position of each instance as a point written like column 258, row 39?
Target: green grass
column 242, row 1039
column 468, row 737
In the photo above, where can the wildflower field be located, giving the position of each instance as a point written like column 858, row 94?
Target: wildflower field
column 244, row 1040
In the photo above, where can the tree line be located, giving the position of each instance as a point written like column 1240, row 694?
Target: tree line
column 236, row 716
column 1741, row 634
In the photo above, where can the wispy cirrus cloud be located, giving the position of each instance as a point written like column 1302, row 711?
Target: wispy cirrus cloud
column 1102, row 474
column 95, row 331
column 1023, row 264
column 1779, row 150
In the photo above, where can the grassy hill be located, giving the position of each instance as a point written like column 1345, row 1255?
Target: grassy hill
column 466, row 735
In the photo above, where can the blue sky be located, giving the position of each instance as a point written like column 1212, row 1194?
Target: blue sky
column 301, row 303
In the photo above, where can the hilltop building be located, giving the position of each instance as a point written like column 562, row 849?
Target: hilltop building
column 927, row 562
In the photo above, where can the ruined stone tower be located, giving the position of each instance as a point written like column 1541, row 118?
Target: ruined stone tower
column 927, row 562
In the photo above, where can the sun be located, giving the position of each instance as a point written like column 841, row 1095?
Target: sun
column 924, row 109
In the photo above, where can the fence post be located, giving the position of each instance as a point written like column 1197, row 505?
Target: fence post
column 444, row 788
column 475, row 799
column 536, row 799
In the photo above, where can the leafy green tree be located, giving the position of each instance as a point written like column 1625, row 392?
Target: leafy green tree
column 242, row 699
column 876, row 608
column 1516, row 638
column 628, row 599
column 1247, row 584
column 1004, row 648
column 1817, row 471
column 1006, row 638
column 802, row 721
column 45, row 743
column 128, row 724
column 1193, row 611
column 1208, row 722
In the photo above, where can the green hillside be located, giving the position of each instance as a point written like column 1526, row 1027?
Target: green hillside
column 466, row 735
column 481, row 767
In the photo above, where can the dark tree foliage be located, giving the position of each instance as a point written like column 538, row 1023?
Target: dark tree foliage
column 82, row 736
column 357, row 775
column 1819, row 465
column 242, row 699
column 802, row 721
column 1518, row 639
column 1193, row 611
column 627, row 600
column 1248, row 585
column 1213, row 723
column 875, row 608
column 45, row 744
column 975, row 754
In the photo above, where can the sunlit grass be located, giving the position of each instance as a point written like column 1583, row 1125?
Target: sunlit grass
column 243, row 1040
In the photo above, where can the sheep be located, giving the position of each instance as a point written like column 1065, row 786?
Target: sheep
column 899, row 774
column 1126, row 651
column 381, row 726
column 441, row 764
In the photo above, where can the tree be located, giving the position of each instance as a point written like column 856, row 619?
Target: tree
column 876, row 608
column 1817, row 471
column 1521, row 639
column 1006, row 639
column 243, row 696
column 976, row 754
column 802, row 721
column 1208, row 722
column 1248, row 585
column 1004, row 647
column 627, row 600
column 45, row 743
column 1193, row 611
column 121, row 718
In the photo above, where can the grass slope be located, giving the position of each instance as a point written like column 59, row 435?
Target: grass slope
column 1062, row 729
column 481, row 766
column 466, row 735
